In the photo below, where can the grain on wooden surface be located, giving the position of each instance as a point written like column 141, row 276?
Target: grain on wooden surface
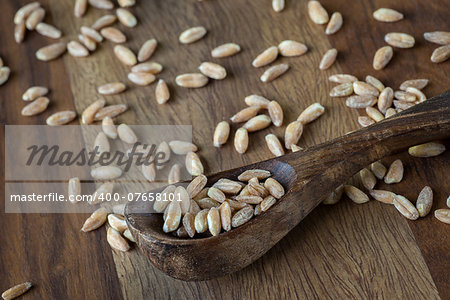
column 135, row 282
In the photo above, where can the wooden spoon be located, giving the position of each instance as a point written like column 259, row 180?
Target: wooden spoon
column 308, row 178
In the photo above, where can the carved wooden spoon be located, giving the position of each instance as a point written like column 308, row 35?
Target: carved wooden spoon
column 308, row 178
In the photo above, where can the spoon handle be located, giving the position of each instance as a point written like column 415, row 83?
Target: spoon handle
column 340, row 158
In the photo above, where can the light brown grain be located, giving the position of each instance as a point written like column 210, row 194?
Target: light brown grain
column 328, row 59
column 225, row 50
column 387, row 15
column 192, row 35
column 405, row 207
column 395, row 172
column 266, row 57
column 61, row 118
column 291, row 48
column 51, row 52
column 110, row 111
column 311, row 113
column 317, row 13
column 382, row 57
column 427, row 150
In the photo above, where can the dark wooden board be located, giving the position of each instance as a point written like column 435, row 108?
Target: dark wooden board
column 343, row 251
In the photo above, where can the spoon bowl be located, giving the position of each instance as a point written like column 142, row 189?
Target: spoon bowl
column 308, row 177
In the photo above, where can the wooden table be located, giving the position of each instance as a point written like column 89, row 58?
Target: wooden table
column 341, row 251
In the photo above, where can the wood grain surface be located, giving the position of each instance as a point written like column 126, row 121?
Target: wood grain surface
column 341, row 251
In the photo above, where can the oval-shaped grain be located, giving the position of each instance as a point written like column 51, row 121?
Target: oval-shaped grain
column 266, row 57
column 101, row 143
column 292, row 48
column 193, row 164
column 383, row 196
column 106, row 173
column 76, row 49
column 438, row 37
column 378, row 169
column 395, row 172
column 126, row 17
column 274, row 188
column 88, row 115
column 342, row 90
column 382, row 57
column 360, row 101
column 182, row 147
column 51, row 52
column 114, row 35
column 442, row 215
column 387, row 15
column 112, row 88
column 254, row 173
column 375, row 82
column 162, row 92
column 201, row 221
column 424, row 201
column 317, row 13
column 141, row 78
column 365, row 121
column 16, row 291
column 367, row 178
column 191, row 80
column 385, row 99
column 196, row 185
column 405, row 207
column 274, row 145
column 173, row 217
column 110, row 111
column 149, row 67
column 48, row 30
column 34, row 92
column 95, row 220
column 399, row 40
column 415, row 83
column 328, row 59
column 36, row 107
column 427, row 150
column 126, row 134
column 342, row 78
column 147, row 50
column 221, row 134
column 225, row 50
column 109, row 128
column 212, row 70
column 256, row 100
column 61, row 118
column 91, row 33
column 87, row 42
column 335, row 23
column 245, row 114
column 275, row 113
column 104, row 21
column 241, row 140
column 36, row 17
column 440, row 54
column 242, row 216
column 125, row 55
column 355, row 194
column 257, row 123
column 102, row 4
column 192, row 35
column 292, row 134
column 274, row 72
column 361, row 88
column 374, row 113
column 311, row 113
